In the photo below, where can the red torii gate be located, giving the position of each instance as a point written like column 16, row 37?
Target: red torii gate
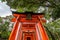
column 28, row 26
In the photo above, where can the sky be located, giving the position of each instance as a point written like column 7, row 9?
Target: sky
column 4, row 9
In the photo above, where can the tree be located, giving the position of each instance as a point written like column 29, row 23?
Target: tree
column 4, row 33
column 27, row 4
column 53, row 28
column 33, row 5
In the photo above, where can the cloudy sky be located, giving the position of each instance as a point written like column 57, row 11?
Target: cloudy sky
column 4, row 9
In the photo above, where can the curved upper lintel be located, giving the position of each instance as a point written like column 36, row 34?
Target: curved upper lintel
column 32, row 13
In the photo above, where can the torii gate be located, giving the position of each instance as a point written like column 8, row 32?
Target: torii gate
column 28, row 26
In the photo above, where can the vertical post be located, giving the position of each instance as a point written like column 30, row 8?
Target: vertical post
column 14, row 30
column 43, row 33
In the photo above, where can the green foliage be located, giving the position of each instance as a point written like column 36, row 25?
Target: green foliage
column 56, row 13
column 54, row 28
column 20, row 9
column 47, row 16
column 4, row 33
column 4, row 27
column 0, row 19
column 31, row 5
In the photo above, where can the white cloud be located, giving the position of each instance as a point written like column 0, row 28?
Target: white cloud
column 4, row 9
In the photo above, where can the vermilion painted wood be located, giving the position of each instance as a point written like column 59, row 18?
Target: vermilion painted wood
column 24, row 29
